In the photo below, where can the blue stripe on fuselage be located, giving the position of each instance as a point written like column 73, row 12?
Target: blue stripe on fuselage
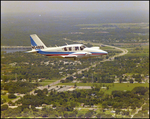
column 43, row 52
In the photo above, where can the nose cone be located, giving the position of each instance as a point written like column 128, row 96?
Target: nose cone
column 105, row 53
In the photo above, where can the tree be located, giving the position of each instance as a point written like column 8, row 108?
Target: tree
column 88, row 114
column 3, row 100
column 11, row 96
column 120, row 80
column 138, row 80
column 80, row 115
column 72, row 115
column 75, row 85
column 117, row 111
column 45, row 91
column 25, row 112
column 45, row 114
column 141, row 90
column 131, row 80
column 10, row 102
column 69, row 108
column 66, row 115
column 4, row 107
column 99, row 115
column 5, row 79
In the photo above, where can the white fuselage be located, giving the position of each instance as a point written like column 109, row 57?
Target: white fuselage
column 71, row 51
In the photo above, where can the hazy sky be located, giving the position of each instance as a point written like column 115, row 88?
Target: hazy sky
column 46, row 6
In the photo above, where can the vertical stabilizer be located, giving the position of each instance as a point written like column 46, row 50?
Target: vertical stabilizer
column 36, row 43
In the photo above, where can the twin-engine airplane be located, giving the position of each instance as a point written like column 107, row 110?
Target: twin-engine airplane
column 74, row 51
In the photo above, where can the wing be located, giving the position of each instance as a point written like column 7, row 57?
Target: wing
column 73, row 57
column 76, row 55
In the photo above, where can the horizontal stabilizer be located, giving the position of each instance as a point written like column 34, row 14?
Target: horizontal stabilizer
column 32, row 51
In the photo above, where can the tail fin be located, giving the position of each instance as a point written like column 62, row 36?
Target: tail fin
column 36, row 43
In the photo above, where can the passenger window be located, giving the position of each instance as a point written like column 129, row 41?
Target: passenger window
column 65, row 49
column 70, row 48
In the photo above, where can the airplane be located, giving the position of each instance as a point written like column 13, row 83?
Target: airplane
column 73, row 51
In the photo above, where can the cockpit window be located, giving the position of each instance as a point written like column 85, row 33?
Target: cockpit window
column 82, row 47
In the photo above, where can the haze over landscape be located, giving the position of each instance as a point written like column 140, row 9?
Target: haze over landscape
column 71, row 6
column 20, row 19
column 115, row 85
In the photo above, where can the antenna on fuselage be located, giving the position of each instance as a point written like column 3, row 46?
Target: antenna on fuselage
column 66, row 43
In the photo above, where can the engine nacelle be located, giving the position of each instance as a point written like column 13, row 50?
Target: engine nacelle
column 88, row 54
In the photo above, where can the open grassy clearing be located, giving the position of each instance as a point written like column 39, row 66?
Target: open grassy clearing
column 125, row 87
column 137, row 54
column 106, row 47
column 143, row 52
column 6, row 98
column 46, row 82
column 112, row 86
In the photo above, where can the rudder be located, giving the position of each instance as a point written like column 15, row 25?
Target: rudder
column 36, row 43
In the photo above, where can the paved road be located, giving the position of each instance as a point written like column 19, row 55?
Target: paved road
column 124, row 51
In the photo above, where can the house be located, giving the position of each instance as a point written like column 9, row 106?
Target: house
column 71, row 89
column 23, row 80
column 92, row 94
column 13, row 64
column 113, row 111
column 13, row 107
column 43, row 105
column 86, row 105
column 39, row 80
column 135, row 82
column 104, row 87
column 38, row 107
column 16, row 94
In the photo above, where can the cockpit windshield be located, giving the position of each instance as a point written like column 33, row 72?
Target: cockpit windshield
column 82, row 47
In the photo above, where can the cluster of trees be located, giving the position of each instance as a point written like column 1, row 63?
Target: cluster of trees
column 138, row 50
column 132, row 99
column 103, row 73
column 18, row 87
column 144, row 113
column 64, row 102
column 53, row 29
column 30, row 66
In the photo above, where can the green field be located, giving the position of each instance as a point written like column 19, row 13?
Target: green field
column 112, row 86
column 46, row 82
column 6, row 98
column 125, row 86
